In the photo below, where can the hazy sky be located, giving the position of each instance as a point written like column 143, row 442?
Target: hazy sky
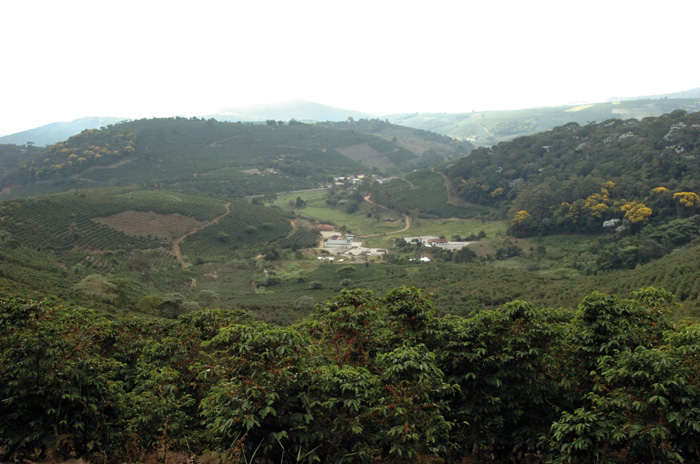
column 66, row 59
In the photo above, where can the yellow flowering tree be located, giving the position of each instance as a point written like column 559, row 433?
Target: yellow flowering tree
column 636, row 213
column 521, row 224
column 687, row 201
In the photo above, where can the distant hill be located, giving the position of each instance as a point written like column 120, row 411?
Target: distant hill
column 221, row 158
column 692, row 93
column 299, row 110
column 483, row 128
column 487, row 128
column 57, row 131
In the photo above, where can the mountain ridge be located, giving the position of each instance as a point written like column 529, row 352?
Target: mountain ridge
column 484, row 128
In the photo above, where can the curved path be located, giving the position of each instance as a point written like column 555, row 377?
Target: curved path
column 407, row 220
column 452, row 197
column 176, row 242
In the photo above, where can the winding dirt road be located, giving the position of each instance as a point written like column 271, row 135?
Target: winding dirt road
column 407, row 220
column 176, row 242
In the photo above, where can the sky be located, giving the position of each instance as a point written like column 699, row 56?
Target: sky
column 62, row 60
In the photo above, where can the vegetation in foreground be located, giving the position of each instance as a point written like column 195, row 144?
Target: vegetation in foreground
column 364, row 379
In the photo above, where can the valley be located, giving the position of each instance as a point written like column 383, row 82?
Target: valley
column 197, row 284
column 225, row 224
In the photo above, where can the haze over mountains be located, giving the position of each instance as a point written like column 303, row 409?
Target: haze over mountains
column 483, row 128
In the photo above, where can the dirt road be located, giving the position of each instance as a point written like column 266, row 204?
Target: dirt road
column 407, row 220
column 176, row 242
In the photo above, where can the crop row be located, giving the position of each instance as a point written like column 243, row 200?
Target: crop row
column 63, row 221
column 247, row 228
column 303, row 237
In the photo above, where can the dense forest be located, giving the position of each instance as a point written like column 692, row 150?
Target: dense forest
column 364, row 379
column 631, row 183
column 574, row 178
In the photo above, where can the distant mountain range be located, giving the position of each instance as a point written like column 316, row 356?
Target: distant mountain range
column 57, row 131
column 487, row 128
column 298, row 110
column 484, row 128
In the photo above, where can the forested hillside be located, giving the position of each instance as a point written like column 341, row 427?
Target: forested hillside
column 573, row 162
column 632, row 183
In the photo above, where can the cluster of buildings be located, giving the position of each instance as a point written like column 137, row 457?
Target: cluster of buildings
column 348, row 245
column 354, row 180
column 434, row 241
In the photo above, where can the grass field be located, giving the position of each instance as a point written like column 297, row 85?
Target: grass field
column 383, row 233
column 359, row 223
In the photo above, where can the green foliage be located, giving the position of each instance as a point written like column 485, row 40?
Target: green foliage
column 59, row 389
column 556, row 176
column 423, row 192
column 364, row 379
column 216, row 158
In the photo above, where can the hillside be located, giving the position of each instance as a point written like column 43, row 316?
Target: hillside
column 114, row 246
column 217, row 158
column 57, row 131
column 571, row 162
column 533, row 209
column 299, row 110
column 635, row 180
column 487, row 128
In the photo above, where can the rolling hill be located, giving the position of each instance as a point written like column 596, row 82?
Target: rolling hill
column 57, row 131
column 131, row 239
column 176, row 236
column 487, row 128
column 219, row 158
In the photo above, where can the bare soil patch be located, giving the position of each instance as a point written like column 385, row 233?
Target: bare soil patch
column 141, row 224
column 8, row 190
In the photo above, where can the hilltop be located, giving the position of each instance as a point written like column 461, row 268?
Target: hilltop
column 487, row 128
column 483, row 128
column 57, row 131
column 219, row 158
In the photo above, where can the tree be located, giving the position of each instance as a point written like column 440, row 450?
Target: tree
column 300, row 203
column 636, row 213
column 521, row 224
column 270, row 197
column 97, row 288
column 687, row 201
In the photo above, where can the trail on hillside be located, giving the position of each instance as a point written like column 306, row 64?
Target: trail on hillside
column 485, row 129
column 176, row 242
column 452, row 197
column 407, row 220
